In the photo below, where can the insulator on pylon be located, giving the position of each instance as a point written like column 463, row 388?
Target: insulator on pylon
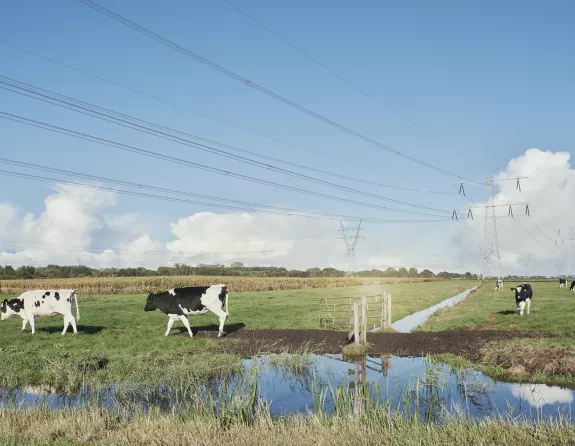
column 454, row 215
column 527, row 210
column 470, row 214
column 510, row 213
column 461, row 189
column 518, row 185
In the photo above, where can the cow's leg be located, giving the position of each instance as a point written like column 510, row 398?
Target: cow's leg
column 186, row 323
column 32, row 326
column 73, row 322
column 170, row 324
column 24, row 323
column 521, row 305
column 528, row 305
column 222, row 315
column 66, row 324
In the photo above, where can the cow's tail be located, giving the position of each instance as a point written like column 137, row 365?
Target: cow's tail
column 77, row 309
column 227, row 309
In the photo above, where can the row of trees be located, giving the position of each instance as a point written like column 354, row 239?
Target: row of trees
column 179, row 269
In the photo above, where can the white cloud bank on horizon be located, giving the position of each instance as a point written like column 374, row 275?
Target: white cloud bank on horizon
column 549, row 191
column 77, row 227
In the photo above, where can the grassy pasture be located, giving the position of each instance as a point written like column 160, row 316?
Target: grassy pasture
column 550, row 359
column 118, row 341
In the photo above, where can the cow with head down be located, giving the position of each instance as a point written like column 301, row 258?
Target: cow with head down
column 523, row 296
column 42, row 303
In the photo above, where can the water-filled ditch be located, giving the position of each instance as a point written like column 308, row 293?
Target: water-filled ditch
column 298, row 384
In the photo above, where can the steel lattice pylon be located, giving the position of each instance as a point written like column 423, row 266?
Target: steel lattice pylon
column 525, row 259
column 350, row 234
column 490, row 254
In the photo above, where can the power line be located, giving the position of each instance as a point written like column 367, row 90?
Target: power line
column 187, row 163
column 339, row 76
column 283, row 210
column 255, row 86
column 172, row 135
column 179, row 200
column 222, row 121
column 182, row 107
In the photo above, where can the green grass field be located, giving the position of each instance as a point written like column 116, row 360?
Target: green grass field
column 545, row 359
column 116, row 332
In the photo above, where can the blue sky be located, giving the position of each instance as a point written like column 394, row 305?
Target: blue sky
column 491, row 78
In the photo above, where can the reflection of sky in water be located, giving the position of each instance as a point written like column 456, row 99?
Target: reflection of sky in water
column 408, row 323
column 538, row 395
column 475, row 393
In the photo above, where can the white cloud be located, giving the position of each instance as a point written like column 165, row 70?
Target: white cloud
column 550, row 192
column 82, row 226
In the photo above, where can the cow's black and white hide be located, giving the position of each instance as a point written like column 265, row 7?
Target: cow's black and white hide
column 179, row 303
column 499, row 285
column 562, row 283
column 572, row 288
column 42, row 303
column 523, row 296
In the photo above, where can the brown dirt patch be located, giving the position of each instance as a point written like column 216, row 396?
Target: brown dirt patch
column 466, row 343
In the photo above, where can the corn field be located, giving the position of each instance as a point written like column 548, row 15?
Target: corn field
column 136, row 285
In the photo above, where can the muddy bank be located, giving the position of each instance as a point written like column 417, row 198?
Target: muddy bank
column 459, row 342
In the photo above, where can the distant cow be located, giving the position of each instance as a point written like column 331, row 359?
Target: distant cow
column 562, row 283
column 179, row 303
column 523, row 296
column 42, row 303
column 572, row 286
column 499, row 285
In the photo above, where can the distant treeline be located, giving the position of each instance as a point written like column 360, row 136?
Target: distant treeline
column 57, row 271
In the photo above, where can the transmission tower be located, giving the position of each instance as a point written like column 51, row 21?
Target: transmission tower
column 490, row 258
column 490, row 253
column 350, row 234
column 525, row 258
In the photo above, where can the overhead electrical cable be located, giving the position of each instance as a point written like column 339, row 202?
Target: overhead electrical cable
column 181, row 200
column 152, row 154
column 173, row 135
column 159, row 189
column 182, row 107
column 339, row 76
column 247, row 82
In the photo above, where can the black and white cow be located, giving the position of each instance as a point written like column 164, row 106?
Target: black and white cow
column 179, row 303
column 572, row 286
column 42, row 303
column 499, row 285
column 523, row 296
column 562, row 283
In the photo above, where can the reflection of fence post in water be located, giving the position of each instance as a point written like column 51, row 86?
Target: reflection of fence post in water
column 359, row 386
column 385, row 364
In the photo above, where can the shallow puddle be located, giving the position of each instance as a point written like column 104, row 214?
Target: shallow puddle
column 406, row 385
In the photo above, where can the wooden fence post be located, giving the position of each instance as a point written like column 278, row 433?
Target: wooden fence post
column 364, row 319
column 356, row 323
column 383, row 310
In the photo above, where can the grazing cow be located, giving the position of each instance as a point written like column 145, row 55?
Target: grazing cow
column 178, row 303
column 499, row 285
column 562, row 283
column 42, row 303
column 572, row 286
column 523, row 296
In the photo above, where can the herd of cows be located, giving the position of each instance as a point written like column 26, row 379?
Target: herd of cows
column 177, row 304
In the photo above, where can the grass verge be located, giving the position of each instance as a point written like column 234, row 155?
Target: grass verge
column 547, row 359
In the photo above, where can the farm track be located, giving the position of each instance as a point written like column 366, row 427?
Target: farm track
column 466, row 343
